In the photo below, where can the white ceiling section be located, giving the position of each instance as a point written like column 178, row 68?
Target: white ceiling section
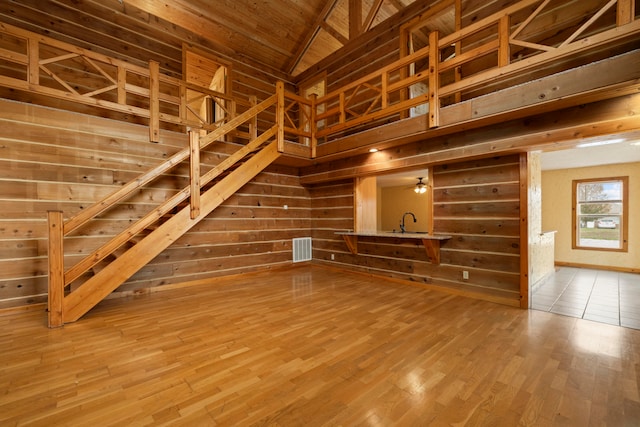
column 626, row 150
column 620, row 152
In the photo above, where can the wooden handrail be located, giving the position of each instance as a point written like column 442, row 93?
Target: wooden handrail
column 59, row 278
column 143, row 223
column 104, row 204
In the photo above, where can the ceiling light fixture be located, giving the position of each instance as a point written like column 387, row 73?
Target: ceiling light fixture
column 598, row 143
column 373, row 150
column 421, row 187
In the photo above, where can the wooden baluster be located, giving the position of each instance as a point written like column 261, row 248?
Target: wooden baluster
column 434, row 80
column 56, row 268
column 154, row 101
column 280, row 115
column 194, row 178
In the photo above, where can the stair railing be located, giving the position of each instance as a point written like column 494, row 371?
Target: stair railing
column 61, row 278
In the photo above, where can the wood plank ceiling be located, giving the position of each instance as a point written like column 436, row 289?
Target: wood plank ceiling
column 286, row 35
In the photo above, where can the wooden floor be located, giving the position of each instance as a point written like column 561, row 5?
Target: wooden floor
column 312, row 346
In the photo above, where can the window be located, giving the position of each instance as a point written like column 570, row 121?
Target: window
column 206, row 71
column 600, row 208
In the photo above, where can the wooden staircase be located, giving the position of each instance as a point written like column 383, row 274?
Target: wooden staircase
column 126, row 253
column 321, row 125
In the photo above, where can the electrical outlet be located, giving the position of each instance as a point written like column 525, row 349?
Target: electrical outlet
column 333, row 257
column 465, row 275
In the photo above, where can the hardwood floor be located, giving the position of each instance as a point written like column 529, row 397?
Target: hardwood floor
column 311, row 346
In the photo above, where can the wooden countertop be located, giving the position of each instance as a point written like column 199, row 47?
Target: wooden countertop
column 431, row 242
column 396, row 234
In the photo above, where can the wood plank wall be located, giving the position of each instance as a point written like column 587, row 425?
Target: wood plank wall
column 54, row 160
column 476, row 201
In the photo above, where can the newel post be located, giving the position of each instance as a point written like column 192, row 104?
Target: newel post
column 56, row 268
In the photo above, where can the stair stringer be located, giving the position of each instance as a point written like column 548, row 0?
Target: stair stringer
column 94, row 290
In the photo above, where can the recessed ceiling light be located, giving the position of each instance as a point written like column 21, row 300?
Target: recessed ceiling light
column 598, row 143
column 373, row 150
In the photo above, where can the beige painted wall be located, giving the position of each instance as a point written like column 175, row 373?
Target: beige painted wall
column 395, row 201
column 556, row 215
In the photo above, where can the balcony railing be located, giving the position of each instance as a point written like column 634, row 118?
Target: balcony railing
column 462, row 65
column 449, row 69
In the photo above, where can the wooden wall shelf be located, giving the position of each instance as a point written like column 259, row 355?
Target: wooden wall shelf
column 431, row 242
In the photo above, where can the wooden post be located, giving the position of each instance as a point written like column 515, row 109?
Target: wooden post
column 406, row 48
column 182, row 109
column 626, row 12
column 194, row 178
column 56, row 268
column 253, row 124
column 384, row 100
column 355, row 18
column 458, row 70
column 524, row 231
column 122, row 83
column 154, row 101
column 280, row 115
column 503, row 41
column 33, row 62
column 429, row 199
column 434, row 80
column 313, row 125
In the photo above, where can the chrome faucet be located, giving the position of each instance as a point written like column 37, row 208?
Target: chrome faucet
column 402, row 229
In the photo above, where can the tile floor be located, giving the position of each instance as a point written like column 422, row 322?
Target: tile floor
column 601, row 296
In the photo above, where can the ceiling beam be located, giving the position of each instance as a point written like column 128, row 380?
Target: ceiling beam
column 397, row 4
column 355, row 18
column 373, row 12
column 334, row 33
column 311, row 35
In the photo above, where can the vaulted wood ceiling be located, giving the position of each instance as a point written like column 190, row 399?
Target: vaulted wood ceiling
column 288, row 35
